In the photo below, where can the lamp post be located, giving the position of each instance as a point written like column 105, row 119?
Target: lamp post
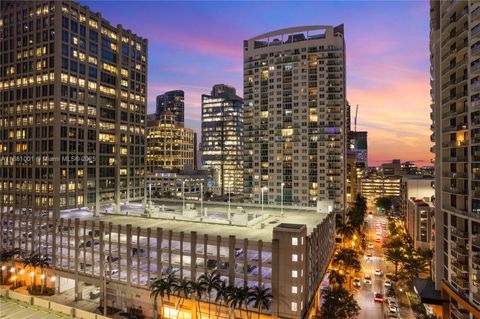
column 229, row 191
column 183, row 196
column 150, row 192
column 263, row 190
column 283, row 185
column 201, row 198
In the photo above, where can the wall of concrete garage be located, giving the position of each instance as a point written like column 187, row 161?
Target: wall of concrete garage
column 139, row 257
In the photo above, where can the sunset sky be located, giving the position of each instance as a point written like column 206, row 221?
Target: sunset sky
column 194, row 45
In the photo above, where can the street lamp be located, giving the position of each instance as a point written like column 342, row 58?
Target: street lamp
column 229, row 191
column 263, row 190
column 201, row 198
column 183, row 196
column 283, row 185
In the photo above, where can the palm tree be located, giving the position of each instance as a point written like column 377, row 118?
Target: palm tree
column 335, row 277
column 197, row 293
column 182, row 289
column 42, row 262
column 238, row 298
column 7, row 256
column 394, row 255
column 345, row 230
column 162, row 287
column 427, row 255
column 31, row 261
column 413, row 267
column 347, row 259
column 221, row 299
column 209, row 281
column 260, row 297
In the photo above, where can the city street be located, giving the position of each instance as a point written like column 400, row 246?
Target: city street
column 365, row 294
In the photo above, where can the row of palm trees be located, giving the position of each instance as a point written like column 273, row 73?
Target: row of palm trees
column 209, row 287
column 354, row 221
column 31, row 261
column 400, row 252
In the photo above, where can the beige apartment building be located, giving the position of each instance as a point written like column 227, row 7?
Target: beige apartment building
column 455, row 90
column 295, row 117
column 72, row 122
column 169, row 144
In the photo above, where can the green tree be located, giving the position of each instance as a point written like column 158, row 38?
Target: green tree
column 427, row 255
column 42, row 262
column 336, row 278
column 347, row 260
column 339, row 304
column 239, row 298
column 345, row 230
column 182, row 289
column 412, row 268
column 162, row 288
column 394, row 255
column 210, row 281
column 260, row 297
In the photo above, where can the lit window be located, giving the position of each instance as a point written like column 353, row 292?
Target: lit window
column 294, row 289
column 294, row 257
column 294, row 274
column 294, row 241
column 294, row 306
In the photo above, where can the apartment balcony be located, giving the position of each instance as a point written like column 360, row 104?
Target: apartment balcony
column 459, row 233
column 454, row 175
column 460, row 313
column 461, row 267
column 475, row 68
column 459, row 250
column 475, row 14
column 455, row 159
column 454, row 190
column 475, row 31
column 461, row 283
column 459, row 127
column 475, row 50
column 453, row 113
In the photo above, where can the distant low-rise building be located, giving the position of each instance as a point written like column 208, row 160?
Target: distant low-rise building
column 419, row 222
column 166, row 184
column 391, row 169
column 416, row 187
column 374, row 187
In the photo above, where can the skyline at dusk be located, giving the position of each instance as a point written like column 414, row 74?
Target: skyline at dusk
column 194, row 45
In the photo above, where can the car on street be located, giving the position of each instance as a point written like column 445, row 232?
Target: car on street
column 378, row 240
column 387, row 283
column 369, row 256
column 391, row 292
column 378, row 297
column 393, row 308
column 378, row 272
column 367, row 280
column 370, row 246
column 357, row 282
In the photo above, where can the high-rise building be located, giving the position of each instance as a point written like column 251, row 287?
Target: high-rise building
column 174, row 101
column 72, row 116
column 359, row 145
column 392, row 169
column 455, row 84
column 295, row 114
column 170, row 146
column 222, row 138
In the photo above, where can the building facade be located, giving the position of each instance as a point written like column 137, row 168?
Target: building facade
column 295, row 114
column 222, row 139
column 416, row 187
column 169, row 184
column 72, row 122
column 173, row 101
column 374, row 187
column 419, row 223
column 455, row 84
column 170, row 146
column 289, row 258
column 359, row 142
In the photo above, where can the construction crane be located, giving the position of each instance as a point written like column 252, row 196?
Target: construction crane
column 356, row 113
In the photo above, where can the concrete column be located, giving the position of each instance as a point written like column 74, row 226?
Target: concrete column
column 138, row 255
column 77, row 258
column 193, row 255
column 149, row 233
column 205, row 252
column 182, row 236
column 129, row 255
column 245, row 261
column 260, row 262
column 275, row 263
column 231, row 260
column 159, row 234
column 103, row 293
column 170, row 234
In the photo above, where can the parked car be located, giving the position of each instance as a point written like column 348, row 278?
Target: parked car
column 111, row 259
column 367, row 280
column 370, row 246
column 357, row 282
column 378, row 272
column 387, row 283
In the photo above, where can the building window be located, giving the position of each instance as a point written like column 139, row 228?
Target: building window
column 294, row 274
column 294, row 241
column 294, row 289
column 294, row 306
column 294, row 257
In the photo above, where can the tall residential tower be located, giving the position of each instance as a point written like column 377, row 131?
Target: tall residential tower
column 72, row 117
column 295, row 117
column 455, row 78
